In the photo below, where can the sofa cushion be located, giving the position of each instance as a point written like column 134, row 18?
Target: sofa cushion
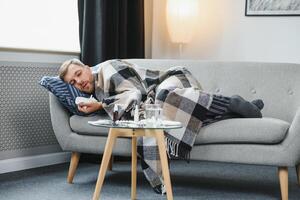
column 239, row 130
column 81, row 126
column 244, row 130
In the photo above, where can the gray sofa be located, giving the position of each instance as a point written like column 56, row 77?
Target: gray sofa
column 273, row 140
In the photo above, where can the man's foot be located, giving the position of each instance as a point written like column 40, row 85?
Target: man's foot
column 259, row 103
column 239, row 105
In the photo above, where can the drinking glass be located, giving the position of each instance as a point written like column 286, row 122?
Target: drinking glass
column 153, row 114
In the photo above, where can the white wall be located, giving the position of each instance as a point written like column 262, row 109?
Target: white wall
column 224, row 32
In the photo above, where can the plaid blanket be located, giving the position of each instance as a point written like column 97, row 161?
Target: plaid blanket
column 178, row 93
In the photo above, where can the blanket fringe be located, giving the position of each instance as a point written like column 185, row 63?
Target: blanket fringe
column 177, row 151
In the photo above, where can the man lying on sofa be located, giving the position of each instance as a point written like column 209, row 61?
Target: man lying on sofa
column 176, row 90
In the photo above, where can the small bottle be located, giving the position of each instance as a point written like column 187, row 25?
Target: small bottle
column 115, row 113
column 136, row 113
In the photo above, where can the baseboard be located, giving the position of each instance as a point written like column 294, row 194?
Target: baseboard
column 28, row 162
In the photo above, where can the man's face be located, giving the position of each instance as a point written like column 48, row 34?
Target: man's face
column 81, row 77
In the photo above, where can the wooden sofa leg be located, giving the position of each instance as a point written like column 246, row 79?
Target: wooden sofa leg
column 283, row 180
column 73, row 166
column 110, row 164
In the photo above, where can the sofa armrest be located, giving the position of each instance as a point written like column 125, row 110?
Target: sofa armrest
column 60, row 119
column 292, row 142
column 295, row 125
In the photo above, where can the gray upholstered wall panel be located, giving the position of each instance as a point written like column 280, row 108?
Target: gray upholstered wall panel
column 24, row 105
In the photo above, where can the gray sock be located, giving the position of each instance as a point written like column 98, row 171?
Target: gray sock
column 259, row 103
column 244, row 108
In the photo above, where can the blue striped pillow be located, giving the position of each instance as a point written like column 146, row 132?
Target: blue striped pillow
column 65, row 93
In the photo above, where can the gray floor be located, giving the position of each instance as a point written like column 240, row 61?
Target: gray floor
column 197, row 180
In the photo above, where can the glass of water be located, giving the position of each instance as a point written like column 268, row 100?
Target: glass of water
column 153, row 114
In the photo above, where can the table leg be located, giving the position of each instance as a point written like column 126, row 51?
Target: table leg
column 164, row 163
column 105, row 160
column 133, row 167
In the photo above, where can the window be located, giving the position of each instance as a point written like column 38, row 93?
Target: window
column 42, row 25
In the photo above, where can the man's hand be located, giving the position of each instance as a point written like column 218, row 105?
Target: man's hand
column 89, row 107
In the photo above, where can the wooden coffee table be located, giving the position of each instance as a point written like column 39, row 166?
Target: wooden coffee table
column 134, row 132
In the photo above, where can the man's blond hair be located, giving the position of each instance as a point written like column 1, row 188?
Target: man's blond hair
column 65, row 67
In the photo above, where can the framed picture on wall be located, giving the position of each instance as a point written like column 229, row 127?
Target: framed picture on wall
column 272, row 8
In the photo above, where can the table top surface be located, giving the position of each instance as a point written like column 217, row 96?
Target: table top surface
column 128, row 124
